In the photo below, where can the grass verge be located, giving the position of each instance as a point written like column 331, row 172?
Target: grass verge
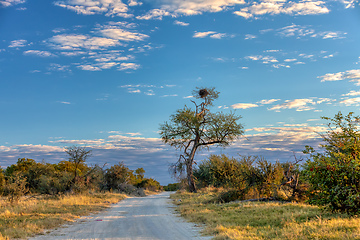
column 33, row 215
column 263, row 220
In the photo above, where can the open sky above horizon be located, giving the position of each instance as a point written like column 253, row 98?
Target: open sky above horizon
column 105, row 73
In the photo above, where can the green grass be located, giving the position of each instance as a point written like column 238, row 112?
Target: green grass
column 264, row 220
column 32, row 216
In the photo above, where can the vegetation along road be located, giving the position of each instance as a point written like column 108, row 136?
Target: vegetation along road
column 133, row 218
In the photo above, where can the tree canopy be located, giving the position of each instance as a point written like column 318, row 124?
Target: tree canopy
column 192, row 129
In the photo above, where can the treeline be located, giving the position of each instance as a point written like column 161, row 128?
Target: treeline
column 71, row 176
column 329, row 178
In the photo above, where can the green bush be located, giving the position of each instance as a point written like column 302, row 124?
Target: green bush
column 334, row 174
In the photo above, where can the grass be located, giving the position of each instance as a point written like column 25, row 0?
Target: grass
column 264, row 220
column 33, row 215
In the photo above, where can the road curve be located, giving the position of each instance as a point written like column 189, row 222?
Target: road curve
column 146, row 218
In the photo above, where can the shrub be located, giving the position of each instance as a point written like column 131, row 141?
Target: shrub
column 172, row 187
column 15, row 187
column 334, row 174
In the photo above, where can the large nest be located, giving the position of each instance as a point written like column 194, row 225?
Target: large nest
column 203, row 93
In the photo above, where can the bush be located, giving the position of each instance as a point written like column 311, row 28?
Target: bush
column 334, row 174
column 15, row 187
column 172, row 187
column 131, row 190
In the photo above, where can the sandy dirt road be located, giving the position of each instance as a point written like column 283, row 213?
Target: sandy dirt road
column 145, row 218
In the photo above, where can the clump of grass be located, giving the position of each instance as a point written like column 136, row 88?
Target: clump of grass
column 32, row 216
column 264, row 220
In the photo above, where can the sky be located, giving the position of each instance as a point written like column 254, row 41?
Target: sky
column 104, row 74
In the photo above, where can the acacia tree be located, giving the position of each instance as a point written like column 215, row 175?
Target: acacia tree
column 191, row 130
column 77, row 156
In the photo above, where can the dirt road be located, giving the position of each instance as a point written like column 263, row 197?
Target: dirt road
column 145, row 218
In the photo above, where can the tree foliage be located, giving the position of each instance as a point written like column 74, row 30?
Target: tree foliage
column 334, row 173
column 193, row 129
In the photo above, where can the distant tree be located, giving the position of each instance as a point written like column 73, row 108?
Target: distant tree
column 117, row 174
column 191, row 130
column 77, row 157
column 22, row 166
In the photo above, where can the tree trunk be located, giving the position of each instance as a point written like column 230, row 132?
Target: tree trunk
column 189, row 166
column 190, row 177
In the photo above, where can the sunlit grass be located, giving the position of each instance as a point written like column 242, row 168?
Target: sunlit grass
column 34, row 215
column 264, row 220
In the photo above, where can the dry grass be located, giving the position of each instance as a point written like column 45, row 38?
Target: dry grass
column 264, row 220
column 33, row 215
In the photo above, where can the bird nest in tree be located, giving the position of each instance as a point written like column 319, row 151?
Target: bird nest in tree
column 203, row 93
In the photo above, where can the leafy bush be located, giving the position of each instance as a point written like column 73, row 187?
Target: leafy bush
column 248, row 175
column 172, row 187
column 15, row 187
column 116, row 175
column 334, row 174
column 149, row 184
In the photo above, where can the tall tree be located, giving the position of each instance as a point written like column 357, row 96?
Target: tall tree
column 191, row 130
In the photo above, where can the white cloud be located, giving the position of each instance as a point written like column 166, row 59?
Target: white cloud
column 203, row 34
column 39, row 53
column 88, row 67
column 243, row 105
column 134, row 90
column 67, row 103
column 352, row 93
column 155, row 14
column 18, row 43
column 298, row 104
column 108, row 7
column 290, row 60
column 115, row 32
column 176, row 22
column 268, row 101
column 264, row 59
column 250, row 36
column 79, row 41
column 129, row 66
column 9, row 3
column 306, row 7
column 352, row 75
column 351, row 101
column 177, row 8
column 59, row 67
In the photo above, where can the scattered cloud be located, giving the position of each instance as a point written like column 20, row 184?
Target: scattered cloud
column 352, row 93
column 264, row 59
column 18, row 43
column 299, row 31
column 67, row 103
column 39, row 53
column 9, row 3
column 128, row 66
column 351, row 101
column 304, row 104
column 250, row 36
column 211, row 34
column 244, row 105
column 268, row 101
column 110, row 8
column 59, row 67
column 270, row 7
column 176, row 22
column 352, row 75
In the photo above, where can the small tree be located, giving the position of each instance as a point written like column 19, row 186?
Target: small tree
column 191, row 130
column 334, row 174
column 77, row 157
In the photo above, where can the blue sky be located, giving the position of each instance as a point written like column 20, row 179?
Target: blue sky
column 105, row 73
